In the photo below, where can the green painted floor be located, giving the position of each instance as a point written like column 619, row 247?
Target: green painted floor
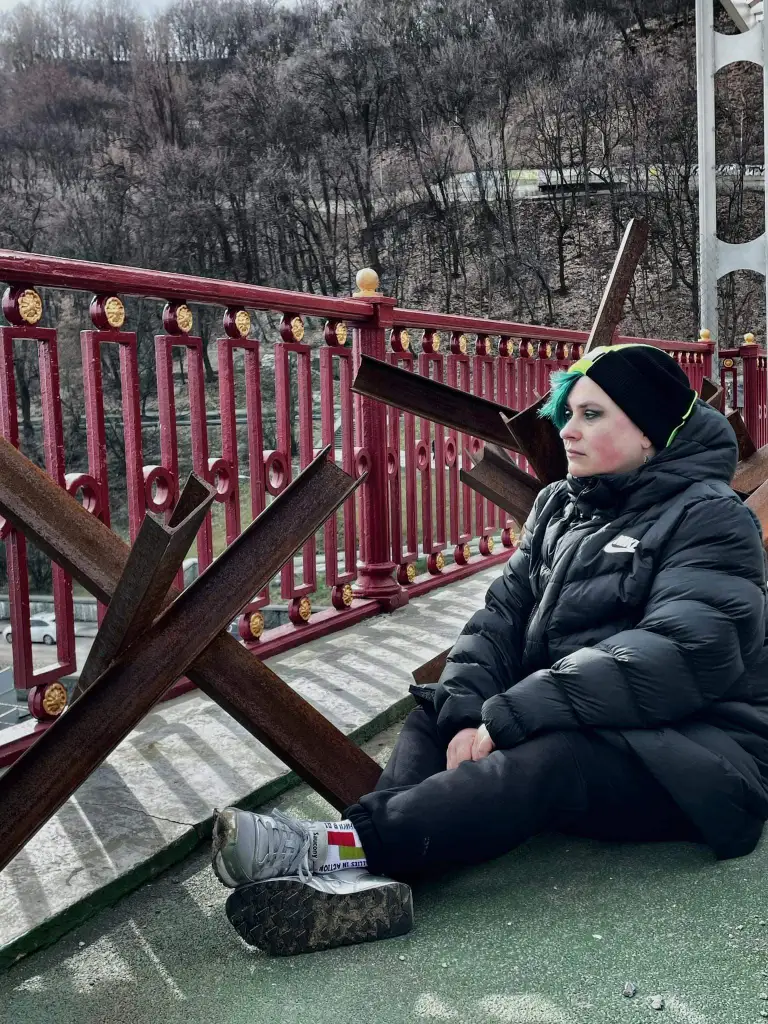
column 548, row 934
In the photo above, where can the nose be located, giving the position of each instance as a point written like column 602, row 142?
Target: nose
column 570, row 432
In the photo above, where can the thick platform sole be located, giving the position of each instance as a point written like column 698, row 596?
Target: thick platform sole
column 284, row 917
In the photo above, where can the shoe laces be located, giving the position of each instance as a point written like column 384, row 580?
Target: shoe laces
column 281, row 835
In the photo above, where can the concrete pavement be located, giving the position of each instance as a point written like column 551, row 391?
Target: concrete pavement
column 549, row 934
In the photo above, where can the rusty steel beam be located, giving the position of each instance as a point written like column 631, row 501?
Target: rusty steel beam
column 437, row 402
column 712, row 393
column 758, row 502
column 747, row 446
column 497, row 478
column 539, row 441
column 751, row 472
column 242, row 685
column 612, row 305
column 155, row 557
column 430, row 672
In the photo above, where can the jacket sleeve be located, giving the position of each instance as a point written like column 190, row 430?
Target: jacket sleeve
column 486, row 658
column 705, row 616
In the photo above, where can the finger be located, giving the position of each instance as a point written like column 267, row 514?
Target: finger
column 486, row 746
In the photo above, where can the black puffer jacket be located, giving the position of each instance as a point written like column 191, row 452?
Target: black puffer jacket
column 635, row 605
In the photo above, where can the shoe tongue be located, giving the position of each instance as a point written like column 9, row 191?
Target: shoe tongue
column 318, row 847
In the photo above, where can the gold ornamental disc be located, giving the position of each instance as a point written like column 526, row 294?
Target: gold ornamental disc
column 463, row 344
column 467, row 552
column 341, row 334
column 410, row 572
column 256, row 625
column 305, row 609
column 297, row 328
column 114, row 311
column 30, row 307
column 184, row 319
column 440, row 561
column 347, row 595
column 490, row 545
column 243, row 322
column 55, row 699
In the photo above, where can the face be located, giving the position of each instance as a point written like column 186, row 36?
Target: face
column 599, row 437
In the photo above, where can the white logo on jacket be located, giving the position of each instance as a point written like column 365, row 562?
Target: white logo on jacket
column 621, row 545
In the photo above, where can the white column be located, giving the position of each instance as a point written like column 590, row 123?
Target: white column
column 705, row 94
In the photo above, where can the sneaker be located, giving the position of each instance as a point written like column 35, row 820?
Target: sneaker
column 286, row 916
column 251, row 847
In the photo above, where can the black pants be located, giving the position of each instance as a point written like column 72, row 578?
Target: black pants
column 422, row 818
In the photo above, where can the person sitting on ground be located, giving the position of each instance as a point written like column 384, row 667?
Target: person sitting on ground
column 612, row 687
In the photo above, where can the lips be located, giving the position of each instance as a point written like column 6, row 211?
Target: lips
column 574, row 455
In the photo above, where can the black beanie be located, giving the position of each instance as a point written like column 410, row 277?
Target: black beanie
column 646, row 383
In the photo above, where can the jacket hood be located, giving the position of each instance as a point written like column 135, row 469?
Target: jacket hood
column 705, row 449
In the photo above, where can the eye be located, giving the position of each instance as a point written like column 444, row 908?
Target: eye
column 568, row 414
column 592, row 414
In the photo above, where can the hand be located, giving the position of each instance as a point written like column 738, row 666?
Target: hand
column 460, row 748
column 482, row 745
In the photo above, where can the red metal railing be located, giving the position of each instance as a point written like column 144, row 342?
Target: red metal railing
column 743, row 377
column 412, row 525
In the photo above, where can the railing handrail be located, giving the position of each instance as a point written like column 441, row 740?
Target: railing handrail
column 105, row 278
column 102, row 278
column 418, row 318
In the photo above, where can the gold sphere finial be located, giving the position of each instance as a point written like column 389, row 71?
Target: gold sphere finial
column 704, row 334
column 749, row 338
column 367, row 281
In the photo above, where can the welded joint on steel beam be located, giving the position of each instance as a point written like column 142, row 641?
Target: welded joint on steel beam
column 78, row 741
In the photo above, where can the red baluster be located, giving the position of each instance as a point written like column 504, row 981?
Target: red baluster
column 47, row 696
column 337, row 355
column 433, row 529
column 375, row 571
column 108, row 316
column 460, row 503
column 237, row 325
column 292, row 333
column 402, row 451
column 177, row 320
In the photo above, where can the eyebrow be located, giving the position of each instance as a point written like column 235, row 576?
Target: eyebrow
column 586, row 405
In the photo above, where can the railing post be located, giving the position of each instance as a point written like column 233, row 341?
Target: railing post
column 706, row 338
column 375, row 577
column 753, row 400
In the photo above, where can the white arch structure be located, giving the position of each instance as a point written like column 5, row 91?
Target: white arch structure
column 714, row 50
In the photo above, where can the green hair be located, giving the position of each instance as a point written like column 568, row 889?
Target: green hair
column 556, row 406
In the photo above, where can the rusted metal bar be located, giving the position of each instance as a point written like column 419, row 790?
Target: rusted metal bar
column 497, row 478
column 430, row 672
column 758, row 502
column 747, row 446
column 612, row 305
column 437, row 402
column 751, row 472
column 712, row 393
column 37, row 784
column 155, row 557
column 539, row 441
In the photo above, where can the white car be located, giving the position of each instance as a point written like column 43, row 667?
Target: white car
column 43, row 631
